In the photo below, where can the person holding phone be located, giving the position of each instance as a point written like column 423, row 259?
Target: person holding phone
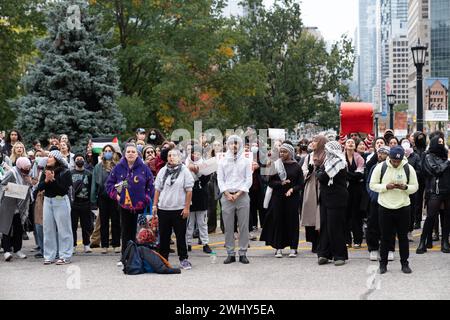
column 394, row 180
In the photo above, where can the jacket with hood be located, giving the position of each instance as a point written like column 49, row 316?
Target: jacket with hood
column 420, row 146
column 395, row 198
column 139, row 185
column 436, row 170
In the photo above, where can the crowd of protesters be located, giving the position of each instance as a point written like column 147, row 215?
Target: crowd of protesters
column 342, row 190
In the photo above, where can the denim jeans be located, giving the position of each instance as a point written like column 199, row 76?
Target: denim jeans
column 39, row 232
column 58, row 238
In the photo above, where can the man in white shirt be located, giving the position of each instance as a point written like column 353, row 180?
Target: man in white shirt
column 234, row 177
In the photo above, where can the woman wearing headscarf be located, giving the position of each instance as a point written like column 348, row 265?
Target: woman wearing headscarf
column 172, row 203
column 437, row 191
column 355, row 176
column 56, row 182
column 420, row 146
column 131, row 185
column 14, row 212
column 310, row 208
column 332, row 176
column 281, row 228
column 108, row 208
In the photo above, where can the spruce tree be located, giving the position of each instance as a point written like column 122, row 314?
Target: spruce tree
column 74, row 84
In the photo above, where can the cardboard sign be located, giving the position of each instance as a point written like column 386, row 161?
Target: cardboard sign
column 16, row 191
column 208, row 167
column 277, row 134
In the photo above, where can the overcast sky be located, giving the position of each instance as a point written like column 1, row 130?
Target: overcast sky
column 332, row 17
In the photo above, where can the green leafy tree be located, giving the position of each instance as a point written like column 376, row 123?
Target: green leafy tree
column 303, row 76
column 178, row 57
column 20, row 22
column 74, row 84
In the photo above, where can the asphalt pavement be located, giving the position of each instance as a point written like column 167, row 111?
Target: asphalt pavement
column 96, row 276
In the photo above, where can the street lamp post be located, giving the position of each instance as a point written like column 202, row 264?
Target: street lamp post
column 377, row 115
column 419, row 53
column 391, row 101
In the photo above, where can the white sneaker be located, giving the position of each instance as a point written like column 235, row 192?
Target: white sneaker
column 8, row 256
column 87, row 249
column 293, row 254
column 21, row 255
column 279, row 254
column 391, row 256
column 117, row 250
column 120, row 264
column 105, row 250
column 374, row 255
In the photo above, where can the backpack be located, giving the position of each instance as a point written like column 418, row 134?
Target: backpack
column 384, row 168
column 141, row 259
column 131, row 259
column 374, row 195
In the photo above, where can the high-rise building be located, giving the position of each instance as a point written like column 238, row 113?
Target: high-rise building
column 440, row 38
column 418, row 28
column 354, row 85
column 367, row 49
column 393, row 19
column 398, row 68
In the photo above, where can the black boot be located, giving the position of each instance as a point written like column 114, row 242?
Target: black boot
column 383, row 268
column 406, row 268
column 314, row 247
column 445, row 247
column 421, row 249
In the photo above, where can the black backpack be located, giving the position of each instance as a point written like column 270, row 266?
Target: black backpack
column 384, row 168
column 131, row 259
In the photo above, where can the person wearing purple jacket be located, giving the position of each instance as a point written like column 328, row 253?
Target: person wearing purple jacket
column 131, row 184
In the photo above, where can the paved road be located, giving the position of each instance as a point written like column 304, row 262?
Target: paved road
column 264, row 278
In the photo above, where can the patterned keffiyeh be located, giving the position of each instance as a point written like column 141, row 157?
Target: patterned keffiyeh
column 334, row 160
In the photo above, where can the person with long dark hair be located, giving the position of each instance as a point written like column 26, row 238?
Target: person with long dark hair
column 155, row 137
column 11, row 139
column 355, row 179
column 437, row 190
column 56, row 182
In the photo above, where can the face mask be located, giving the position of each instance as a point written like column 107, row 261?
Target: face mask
column 153, row 136
column 79, row 163
column 406, row 145
column 140, row 147
column 108, row 155
column 255, row 149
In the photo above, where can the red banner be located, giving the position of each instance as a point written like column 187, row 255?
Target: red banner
column 356, row 117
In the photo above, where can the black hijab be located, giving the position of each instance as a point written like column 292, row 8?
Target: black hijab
column 437, row 149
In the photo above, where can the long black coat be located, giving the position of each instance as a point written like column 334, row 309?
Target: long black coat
column 281, row 227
